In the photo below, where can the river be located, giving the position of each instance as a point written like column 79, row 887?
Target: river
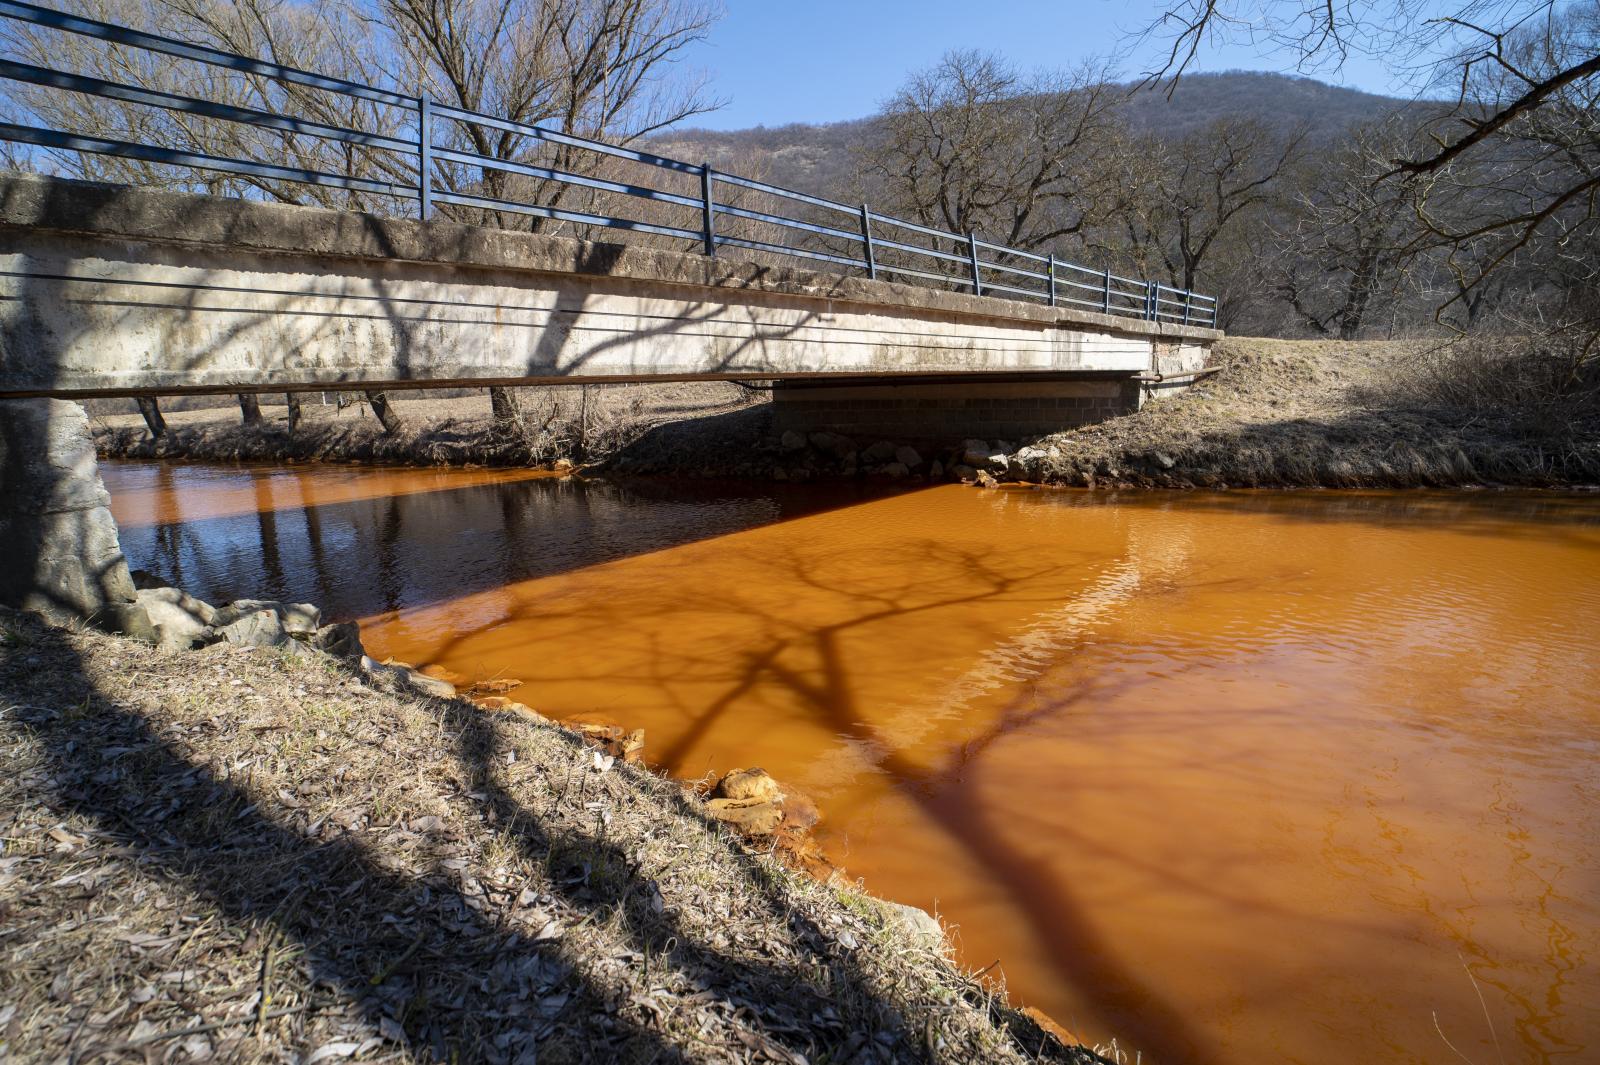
column 1227, row 777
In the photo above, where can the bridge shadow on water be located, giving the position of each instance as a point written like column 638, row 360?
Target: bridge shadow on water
column 360, row 557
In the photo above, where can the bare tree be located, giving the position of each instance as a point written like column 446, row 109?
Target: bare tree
column 1182, row 201
column 1348, row 235
column 971, row 145
column 1510, row 167
column 599, row 68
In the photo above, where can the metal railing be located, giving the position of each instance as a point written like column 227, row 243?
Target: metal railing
column 878, row 244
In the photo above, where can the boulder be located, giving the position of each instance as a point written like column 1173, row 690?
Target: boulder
column 919, row 923
column 877, row 454
column 791, row 441
column 296, row 619
column 753, row 817
column 800, row 814
column 936, row 470
column 501, row 704
column 263, row 628
column 181, row 621
column 1164, row 460
column 963, row 472
column 752, row 783
column 895, row 470
column 421, row 682
column 835, row 444
column 978, row 454
column 374, row 668
column 342, row 640
column 907, row 456
column 143, row 578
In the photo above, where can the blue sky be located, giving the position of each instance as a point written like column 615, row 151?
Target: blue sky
column 782, row 61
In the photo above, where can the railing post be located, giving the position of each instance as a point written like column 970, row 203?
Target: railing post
column 1188, row 298
column 972, row 251
column 425, row 155
column 1151, row 298
column 709, row 227
column 1105, row 295
column 866, row 243
column 1051, row 270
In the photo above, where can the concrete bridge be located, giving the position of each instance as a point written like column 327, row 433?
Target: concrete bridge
column 113, row 291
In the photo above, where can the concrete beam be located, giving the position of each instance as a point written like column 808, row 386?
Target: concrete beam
column 117, row 291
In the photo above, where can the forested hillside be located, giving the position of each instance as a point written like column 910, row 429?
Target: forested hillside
column 826, row 156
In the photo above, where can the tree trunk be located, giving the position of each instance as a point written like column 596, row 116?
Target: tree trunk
column 150, row 407
column 250, row 407
column 292, row 401
column 502, row 404
column 386, row 415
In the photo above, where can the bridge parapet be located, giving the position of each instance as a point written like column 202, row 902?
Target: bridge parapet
column 121, row 291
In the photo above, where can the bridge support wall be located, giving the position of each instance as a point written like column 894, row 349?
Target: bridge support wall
column 59, row 553
column 941, row 412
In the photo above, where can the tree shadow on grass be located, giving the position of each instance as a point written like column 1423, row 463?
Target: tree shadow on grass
column 441, row 962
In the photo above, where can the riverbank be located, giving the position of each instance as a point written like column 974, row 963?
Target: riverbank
column 248, row 854
column 1272, row 414
column 1332, row 414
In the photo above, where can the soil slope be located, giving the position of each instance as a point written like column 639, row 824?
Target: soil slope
column 1330, row 414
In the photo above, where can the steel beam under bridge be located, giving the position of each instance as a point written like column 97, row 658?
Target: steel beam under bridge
column 117, row 291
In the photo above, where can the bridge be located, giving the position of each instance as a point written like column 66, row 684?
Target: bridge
column 408, row 277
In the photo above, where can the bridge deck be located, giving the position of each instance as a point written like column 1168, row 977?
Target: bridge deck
column 119, row 291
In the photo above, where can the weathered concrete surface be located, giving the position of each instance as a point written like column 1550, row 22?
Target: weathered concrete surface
column 59, row 554
column 111, row 291
column 943, row 411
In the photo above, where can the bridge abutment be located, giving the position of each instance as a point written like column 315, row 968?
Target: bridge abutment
column 61, row 557
column 936, row 412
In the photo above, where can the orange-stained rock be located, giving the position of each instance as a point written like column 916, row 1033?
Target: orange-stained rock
column 799, row 812
column 629, row 748
column 492, row 687
column 753, row 817
column 449, row 676
column 509, row 706
column 753, row 783
column 1043, row 1020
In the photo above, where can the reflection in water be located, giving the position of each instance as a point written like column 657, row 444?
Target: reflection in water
column 1225, row 776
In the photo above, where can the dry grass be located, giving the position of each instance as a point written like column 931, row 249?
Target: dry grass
column 1338, row 414
column 238, row 855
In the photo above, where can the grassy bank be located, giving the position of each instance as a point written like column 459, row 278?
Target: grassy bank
column 1339, row 415
column 243, row 855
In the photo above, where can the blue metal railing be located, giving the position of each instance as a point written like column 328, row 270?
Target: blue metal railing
column 1024, row 274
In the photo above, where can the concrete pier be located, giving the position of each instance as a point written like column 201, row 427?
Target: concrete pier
column 59, row 554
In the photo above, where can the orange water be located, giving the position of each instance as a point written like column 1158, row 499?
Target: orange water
column 1282, row 776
